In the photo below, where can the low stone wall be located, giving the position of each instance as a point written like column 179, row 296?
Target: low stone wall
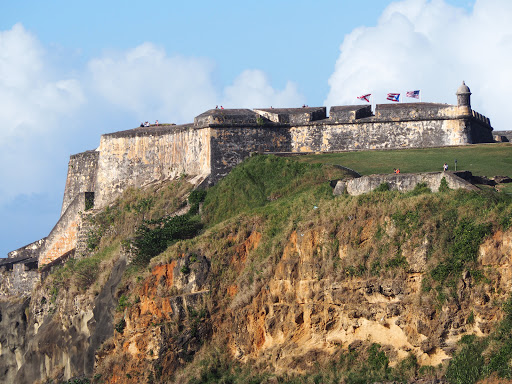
column 30, row 250
column 504, row 136
column 18, row 279
column 403, row 182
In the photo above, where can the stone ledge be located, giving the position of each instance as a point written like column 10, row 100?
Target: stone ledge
column 404, row 182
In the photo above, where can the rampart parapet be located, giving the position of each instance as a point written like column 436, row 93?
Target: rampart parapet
column 293, row 116
column 349, row 113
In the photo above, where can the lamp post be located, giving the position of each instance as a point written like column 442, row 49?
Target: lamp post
column 455, row 165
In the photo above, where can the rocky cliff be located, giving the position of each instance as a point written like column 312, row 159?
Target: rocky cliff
column 285, row 283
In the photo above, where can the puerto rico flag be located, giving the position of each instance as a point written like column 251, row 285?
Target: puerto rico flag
column 414, row 94
column 393, row 96
column 365, row 97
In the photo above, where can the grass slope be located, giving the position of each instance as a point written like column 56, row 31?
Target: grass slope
column 481, row 159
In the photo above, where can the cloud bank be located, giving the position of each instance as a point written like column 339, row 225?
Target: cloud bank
column 147, row 82
column 33, row 106
column 432, row 46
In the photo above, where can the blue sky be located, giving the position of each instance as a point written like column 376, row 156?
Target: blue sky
column 70, row 71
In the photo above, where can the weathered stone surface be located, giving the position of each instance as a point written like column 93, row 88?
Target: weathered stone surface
column 30, row 250
column 63, row 237
column 402, row 182
column 13, row 337
column 18, row 276
column 82, row 171
column 230, row 146
column 504, row 136
column 293, row 116
column 137, row 157
column 64, row 343
column 349, row 113
column 226, row 117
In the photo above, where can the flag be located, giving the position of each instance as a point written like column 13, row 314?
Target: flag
column 365, row 97
column 414, row 94
column 393, row 96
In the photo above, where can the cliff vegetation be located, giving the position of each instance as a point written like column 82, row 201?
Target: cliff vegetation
column 269, row 278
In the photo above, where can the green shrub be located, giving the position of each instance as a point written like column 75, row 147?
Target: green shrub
column 471, row 318
column 383, row 187
column 120, row 326
column 122, row 303
column 420, row 189
column 407, row 221
column 93, row 238
column 443, row 187
column 153, row 237
column 467, row 238
column 398, row 261
column 196, row 197
column 467, row 365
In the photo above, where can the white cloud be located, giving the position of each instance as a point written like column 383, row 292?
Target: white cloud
column 33, row 105
column 252, row 89
column 145, row 81
column 432, row 46
column 152, row 85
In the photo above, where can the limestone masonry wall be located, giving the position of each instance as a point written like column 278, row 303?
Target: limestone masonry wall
column 82, row 169
column 378, row 135
column 140, row 156
column 63, row 237
column 30, row 250
column 404, row 182
column 230, row 146
column 18, row 279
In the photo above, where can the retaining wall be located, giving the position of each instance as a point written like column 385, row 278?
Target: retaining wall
column 403, row 182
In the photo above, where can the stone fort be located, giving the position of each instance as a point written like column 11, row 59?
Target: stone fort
column 219, row 139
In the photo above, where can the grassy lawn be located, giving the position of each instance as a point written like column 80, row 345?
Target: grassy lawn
column 481, row 159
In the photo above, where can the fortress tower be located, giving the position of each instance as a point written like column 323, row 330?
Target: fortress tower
column 464, row 97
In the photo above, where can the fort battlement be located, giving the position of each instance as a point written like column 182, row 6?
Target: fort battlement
column 219, row 139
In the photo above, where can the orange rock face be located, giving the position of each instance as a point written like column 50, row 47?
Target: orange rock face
column 304, row 311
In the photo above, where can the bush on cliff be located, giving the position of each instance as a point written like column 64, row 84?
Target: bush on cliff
column 153, row 237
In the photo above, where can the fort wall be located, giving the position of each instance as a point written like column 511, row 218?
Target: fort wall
column 230, row 146
column 220, row 139
column 17, row 281
column 143, row 155
column 82, row 170
column 382, row 134
column 63, row 237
